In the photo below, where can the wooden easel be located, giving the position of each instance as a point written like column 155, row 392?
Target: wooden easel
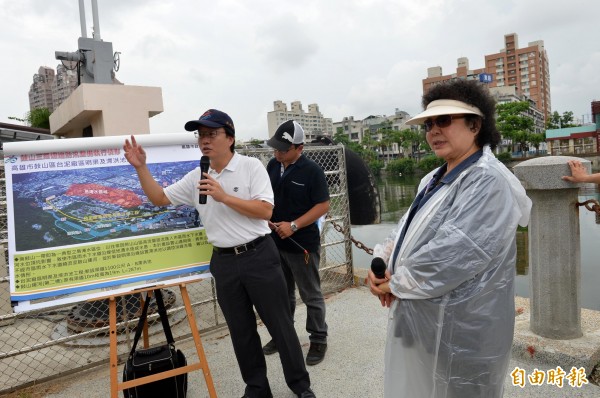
column 116, row 386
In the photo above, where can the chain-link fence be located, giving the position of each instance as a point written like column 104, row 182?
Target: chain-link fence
column 44, row 344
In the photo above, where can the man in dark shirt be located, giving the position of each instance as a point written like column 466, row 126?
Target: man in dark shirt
column 301, row 198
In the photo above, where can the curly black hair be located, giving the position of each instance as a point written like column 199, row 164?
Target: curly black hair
column 473, row 93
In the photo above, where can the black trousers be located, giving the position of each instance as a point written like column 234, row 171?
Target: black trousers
column 255, row 278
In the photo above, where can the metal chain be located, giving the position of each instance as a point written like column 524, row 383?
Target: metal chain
column 591, row 205
column 357, row 243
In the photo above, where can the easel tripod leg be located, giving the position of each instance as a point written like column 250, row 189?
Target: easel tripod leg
column 199, row 348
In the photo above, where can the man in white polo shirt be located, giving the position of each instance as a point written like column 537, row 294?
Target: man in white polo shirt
column 245, row 261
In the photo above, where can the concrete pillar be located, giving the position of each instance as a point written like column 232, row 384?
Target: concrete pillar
column 554, row 247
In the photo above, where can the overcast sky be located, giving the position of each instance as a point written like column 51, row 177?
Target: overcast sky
column 351, row 57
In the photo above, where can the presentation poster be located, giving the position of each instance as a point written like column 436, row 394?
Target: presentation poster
column 80, row 225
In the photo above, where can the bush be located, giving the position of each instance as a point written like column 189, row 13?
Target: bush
column 430, row 162
column 401, row 166
column 504, row 157
column 376, row 166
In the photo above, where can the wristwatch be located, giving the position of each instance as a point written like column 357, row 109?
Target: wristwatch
column 293, row 226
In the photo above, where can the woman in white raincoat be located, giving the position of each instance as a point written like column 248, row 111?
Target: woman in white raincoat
column 451, row 263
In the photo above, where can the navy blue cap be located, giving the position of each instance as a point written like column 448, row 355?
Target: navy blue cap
column 212, row 118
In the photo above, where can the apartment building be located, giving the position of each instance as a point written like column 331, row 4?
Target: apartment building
column 49, row 88
column 511, row 94
column 507, row 94
column 353, row 129
column 356, row 130
column 64, row 83
column 435, row 76
column 526, row 69
column 313, row 122
column 40, row 91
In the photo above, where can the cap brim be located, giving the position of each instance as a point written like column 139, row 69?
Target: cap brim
column 193, row 125
column 444, row 107
column 276, row 144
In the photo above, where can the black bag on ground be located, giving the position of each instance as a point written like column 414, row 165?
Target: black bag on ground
column 146, row 362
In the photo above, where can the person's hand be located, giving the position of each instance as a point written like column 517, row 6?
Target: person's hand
column 211, row 187
column 578, row 172
column 379, row 287
column 387, row 300
column 134, row 153
column 283, row 229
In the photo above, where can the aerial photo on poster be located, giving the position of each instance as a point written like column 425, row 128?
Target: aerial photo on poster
column 66, row 207
column 79, row 221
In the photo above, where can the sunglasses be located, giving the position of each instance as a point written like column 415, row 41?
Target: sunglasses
column 441, row 121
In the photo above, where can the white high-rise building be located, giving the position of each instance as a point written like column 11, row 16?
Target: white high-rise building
column 313, row 122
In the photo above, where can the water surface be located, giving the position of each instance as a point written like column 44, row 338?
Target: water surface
column 397, row 193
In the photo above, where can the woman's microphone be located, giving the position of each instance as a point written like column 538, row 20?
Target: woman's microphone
column 204, row 164
column 378, row 267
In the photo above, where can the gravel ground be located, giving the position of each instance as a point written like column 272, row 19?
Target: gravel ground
column 353, row 366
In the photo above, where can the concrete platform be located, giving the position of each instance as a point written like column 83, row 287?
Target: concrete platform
column 353, row 366
column 581, row 352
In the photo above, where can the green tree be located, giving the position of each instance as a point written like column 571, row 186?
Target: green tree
column 396, row 137
column 387, row 138
column 341, row 138
column 375, row 166
column 37, row 117
column 513, row 123
column 415, row 141
column 368, row 142
column 553, row 121
column 367, row 152
column 365, row 149
column 430, row 162
column 504, row 157
column 567, row 120
column 401, row 167
column 536, row 139
column 556, row 121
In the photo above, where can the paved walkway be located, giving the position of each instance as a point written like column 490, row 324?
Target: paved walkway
column 353, row 366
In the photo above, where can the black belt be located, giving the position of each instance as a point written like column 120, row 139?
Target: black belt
column 239, row 249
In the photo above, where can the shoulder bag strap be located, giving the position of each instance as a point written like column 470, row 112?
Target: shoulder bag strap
column 140, row 325
column 163, row 317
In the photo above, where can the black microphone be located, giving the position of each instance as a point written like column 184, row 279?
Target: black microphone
column 204, row 163
column 378, row 267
